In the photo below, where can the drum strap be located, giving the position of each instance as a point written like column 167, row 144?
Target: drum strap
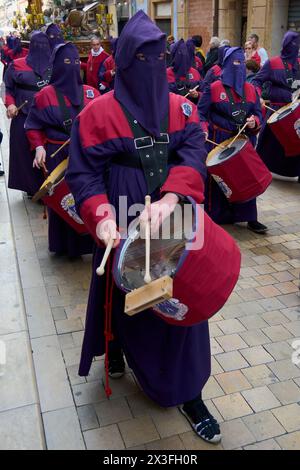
column 152, row 152
column 238, row 111
column 66, row 111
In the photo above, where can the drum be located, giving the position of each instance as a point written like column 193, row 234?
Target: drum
column 238, row 170
column 201, row 258
column 285, row 125
column 56, row 194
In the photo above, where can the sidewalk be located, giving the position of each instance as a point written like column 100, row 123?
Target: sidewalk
column 255, row 388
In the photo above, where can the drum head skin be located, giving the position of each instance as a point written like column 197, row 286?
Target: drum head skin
column 203, row 277
column 283, row 112
column 219, row 154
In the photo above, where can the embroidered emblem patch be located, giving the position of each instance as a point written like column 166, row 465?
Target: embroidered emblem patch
column 223, row 96
column 68, row 204
column 223, row 186
column 187, row 109
column 90, row 94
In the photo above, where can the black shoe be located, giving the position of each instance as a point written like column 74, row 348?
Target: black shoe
column 202, row 422
column 257, row 227
column 116, row 366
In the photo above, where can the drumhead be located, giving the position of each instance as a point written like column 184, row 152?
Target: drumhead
column 221, row 155
column 55, row 177
column 283, row 112
column 165, row 253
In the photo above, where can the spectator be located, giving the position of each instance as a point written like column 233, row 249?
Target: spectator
column 260, row 50
column 197, row 40
column 170, row 42
column 252, row 68
column 251, row 53
column 213, row 54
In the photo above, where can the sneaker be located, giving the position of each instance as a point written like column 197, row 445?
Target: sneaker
column 257, row 227
column 202, row 422
column 116, row 367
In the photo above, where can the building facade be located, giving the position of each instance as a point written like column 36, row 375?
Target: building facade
column 228, row 19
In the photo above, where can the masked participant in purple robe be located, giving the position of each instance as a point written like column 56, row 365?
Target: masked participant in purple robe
column 17, row 51
column 107, row 70
column 23, row 79
column 278, row 79
column 214, row 73
column 221, row 120
column 48, row 126
column 55, row 35
column 5, row 52
column 182, row 77
column 172, row 364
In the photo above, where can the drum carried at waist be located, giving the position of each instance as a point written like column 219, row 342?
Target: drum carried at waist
column 238, row 170
column 285, row 125
column 195, row 278
column 56, row 194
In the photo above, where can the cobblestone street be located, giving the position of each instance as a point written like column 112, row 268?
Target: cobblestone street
column 254, row 390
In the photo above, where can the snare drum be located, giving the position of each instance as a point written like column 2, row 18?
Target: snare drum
column 56, row 194
column 204, row 272
column 285, row 125
column 238, row 170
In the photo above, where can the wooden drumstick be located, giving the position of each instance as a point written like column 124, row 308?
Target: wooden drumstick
column 239, row 133
column 60, row 148
column 21, row 105
column 147, row 277
column 100, row 270
column 215, row 143
column 193, row 89
column 269, row 107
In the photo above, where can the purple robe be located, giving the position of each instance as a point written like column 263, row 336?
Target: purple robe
column 44, row 126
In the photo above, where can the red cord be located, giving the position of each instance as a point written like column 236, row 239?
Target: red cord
column 108, row 319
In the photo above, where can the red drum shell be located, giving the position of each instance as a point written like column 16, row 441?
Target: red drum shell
column 287, row 130
column 61, row 202
column 245, row 174
column 207, row 276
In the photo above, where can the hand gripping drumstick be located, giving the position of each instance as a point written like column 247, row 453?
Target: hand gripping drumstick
column 147, row 277
column 101, row 268
column 239, row 133
column 60, row 148
column 215, row 143
column 193, row 89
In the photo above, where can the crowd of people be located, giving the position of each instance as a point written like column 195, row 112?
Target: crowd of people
column 95, row 113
